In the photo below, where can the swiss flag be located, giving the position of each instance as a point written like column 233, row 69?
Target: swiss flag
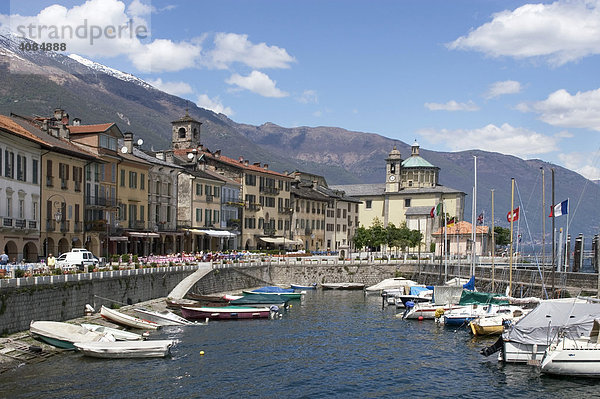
column 513, row 216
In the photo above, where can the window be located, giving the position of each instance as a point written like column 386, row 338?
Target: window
column 157, row 213
column 208, row 190
column 21, row 209
column 407, row 202
column 34, row 210
column 9, row 207
column 207, row 214
column 198, row 215
column 216, row 216
column 168, row 189
column 102, row 172
column 368, row 204
column 198, row 189
column 217, row 192
column 132, row 179
column 21, row 168
column 107, row 142
column 122, row 177
column 270, row 202
column 158, row 188
column 142, row 181
column 113, row 173
column 142, row 213
column 251, row 180
column 393, row 168
column 168, row 214
column 9, row 164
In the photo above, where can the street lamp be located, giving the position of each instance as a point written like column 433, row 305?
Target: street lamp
column 58, row 215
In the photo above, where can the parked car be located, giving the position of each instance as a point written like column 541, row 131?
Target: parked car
column 78, row 257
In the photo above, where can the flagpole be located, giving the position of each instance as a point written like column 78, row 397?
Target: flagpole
column 567, row 239
column 512, row 218
column 518, row 238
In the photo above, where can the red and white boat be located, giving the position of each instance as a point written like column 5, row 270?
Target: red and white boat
column 225, row 312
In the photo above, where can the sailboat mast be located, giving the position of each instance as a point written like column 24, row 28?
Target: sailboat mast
column 493, row 243
column 543, row 229
column 512, row 218
column 567, row 240
column 473, row 220
column 553, row 238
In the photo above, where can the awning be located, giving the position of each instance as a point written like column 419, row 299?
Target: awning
column 120, row 238
column 281, row 241
column 138, row 234
column 212, row 233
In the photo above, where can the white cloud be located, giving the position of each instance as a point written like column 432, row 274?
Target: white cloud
column 504, row 87
column 175, row 88
column 452, row 106
column 231, row 48
column 164, row 55
column 506, row 139
column 586, row 164
column 214, row 104
column 309, row 96
column 580, row 110
column 137, row 8
column 561, row 32
column 257, row 82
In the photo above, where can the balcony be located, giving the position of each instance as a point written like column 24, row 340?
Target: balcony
column 64, row 184
column 20, row 223
column 7, row 222
column 209, row 198
column 253, row 207
column 32, row 224
column 269, row 231
column 234, row 223
column 100, row 202
column 77, row 226
column 50, row 225
column 269, row 190
column 64, row 226
column 285, row 211
column 137, row 225
column 77, row 186
column 308, row 231
column 49, row 181
column 96, row 225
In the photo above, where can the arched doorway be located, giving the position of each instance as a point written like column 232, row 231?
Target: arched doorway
column 50, row 247
column 11, row 250
column 76, row 243
column 63, row 246
column 92, row 245
column 168, row 245
column 30, row 252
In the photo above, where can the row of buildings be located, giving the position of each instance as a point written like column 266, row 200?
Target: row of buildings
column 66, row 185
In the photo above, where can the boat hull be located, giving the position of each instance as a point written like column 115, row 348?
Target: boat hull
column 516, row 352
column 288, row 295
column 225, row 313
column 162, row 318
column 303, row 287
column 63, row 335
column 120, row 335
column 126, row 320
column 126, row 350
column 342, row 286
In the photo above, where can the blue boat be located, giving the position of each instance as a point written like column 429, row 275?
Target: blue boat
column 274, row 290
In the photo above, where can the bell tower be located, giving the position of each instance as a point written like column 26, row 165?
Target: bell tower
column 185, row 133
column 393, row 164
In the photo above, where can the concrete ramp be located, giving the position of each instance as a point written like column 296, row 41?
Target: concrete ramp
column 187, row 283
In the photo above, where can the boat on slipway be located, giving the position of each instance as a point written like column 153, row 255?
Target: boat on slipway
column 226, row 312
column 126, row 349
column 127, row 320
column 574, row 356
column 120, row 335
column 164, row 318
column 64, row 335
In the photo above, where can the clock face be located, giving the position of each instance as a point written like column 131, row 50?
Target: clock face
column 392, row 178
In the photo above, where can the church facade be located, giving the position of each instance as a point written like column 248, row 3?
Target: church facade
column 410, row 194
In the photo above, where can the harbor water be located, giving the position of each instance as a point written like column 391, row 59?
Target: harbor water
column 331, row 344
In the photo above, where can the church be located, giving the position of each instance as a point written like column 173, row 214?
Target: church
column 411, row 193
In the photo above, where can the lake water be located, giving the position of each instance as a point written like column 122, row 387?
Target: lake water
column 332, row 344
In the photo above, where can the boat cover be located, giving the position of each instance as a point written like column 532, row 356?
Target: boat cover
column 480, row 298
column 389, row 283
column 470, row 285
column 416, row 290
column 443, row 295
column 274, row 290
column 541, row 325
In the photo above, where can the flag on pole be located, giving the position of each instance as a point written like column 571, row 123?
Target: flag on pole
column 432, row 212
column 438, row 210
column 513, row 215
column 560, row 209
column 450, row 222
column 480, row 218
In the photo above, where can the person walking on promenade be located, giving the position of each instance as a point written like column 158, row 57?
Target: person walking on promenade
column 51, row 261
column 4, row 259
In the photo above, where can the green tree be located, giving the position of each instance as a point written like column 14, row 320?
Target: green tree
column 361, row 237
column 378, row 234
column 501, row 236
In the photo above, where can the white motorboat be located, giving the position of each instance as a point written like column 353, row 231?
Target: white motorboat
column 390, row 283
column 494, row 325
column 574, row 356
column 126, row 349
column 164, row 318
column 127, row 320
column 63, row 335
column 527, row 340
column 120, row 335
column 426, row 310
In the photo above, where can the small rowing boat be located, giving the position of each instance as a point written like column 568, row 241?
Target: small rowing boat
column 63, row 335
column 126, row 349
column 164, row 318
column 120, row 335
column 127, row 320
column 226, row 312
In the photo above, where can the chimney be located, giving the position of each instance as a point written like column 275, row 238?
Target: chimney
column 58, row 114
column 266, row 166
column 65, row 119
column 160, row 155
column 45, row 125
column 217, row 154
column 76, row 121
column 63, row 131
column 169, row 156
column 241, row 159
column 128, row 139
column 256, row 164
column 246, row 162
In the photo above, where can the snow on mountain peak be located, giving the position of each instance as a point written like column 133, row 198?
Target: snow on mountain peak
column 127, row 77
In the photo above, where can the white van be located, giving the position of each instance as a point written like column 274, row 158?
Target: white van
column 78, row 257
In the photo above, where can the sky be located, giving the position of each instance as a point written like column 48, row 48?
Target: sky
column 505, row 76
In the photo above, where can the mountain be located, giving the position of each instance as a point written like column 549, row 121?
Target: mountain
column 34, row 83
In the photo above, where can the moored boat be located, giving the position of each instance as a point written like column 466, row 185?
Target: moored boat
column 63, row 335
column 282, row 292
column 120, row 335
column 342, row 286
column 313, row 286
column 494, row 325
column 127, row 320
column 164, row 318
column 126, row 349
column 262, row 300
column 226, row 312
column 390, row 283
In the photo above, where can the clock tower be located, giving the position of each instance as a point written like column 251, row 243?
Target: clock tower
column 393, row 164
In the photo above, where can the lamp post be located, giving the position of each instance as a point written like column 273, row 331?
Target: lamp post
column 57, row 206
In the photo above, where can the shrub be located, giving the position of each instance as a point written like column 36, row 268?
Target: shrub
column 153, row 264
column 19, row 273
column 115, row 267
column 135, row 259
column 125, row 258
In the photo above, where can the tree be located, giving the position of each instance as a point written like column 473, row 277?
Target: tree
column 361, row 237
column 502, row 236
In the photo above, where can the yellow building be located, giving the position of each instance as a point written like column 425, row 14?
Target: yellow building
column 410, row 192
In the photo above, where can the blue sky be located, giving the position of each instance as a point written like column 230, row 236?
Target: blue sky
column 505, row 76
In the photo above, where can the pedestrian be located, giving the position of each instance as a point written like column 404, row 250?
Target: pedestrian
column 4, row 259
column 51, row 261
